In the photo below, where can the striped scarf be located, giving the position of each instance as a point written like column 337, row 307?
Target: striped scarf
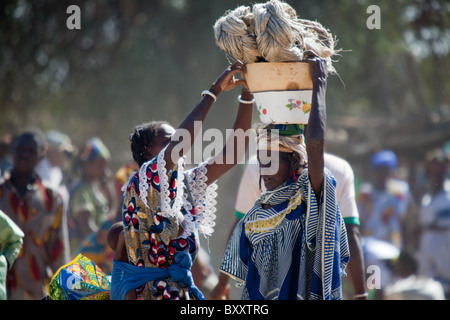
column 320, row 229
column 321, row 236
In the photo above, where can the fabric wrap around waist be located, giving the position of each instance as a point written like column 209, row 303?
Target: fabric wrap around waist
column 126, row 277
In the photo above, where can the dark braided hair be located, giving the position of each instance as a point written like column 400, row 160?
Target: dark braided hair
column 141, row 138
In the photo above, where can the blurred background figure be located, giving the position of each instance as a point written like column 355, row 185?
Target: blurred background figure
column 52, row 168
column 39, row 212
column 408, row 285
column 11, row 240
column 5, row 155
column 434, row 251
column 92, row 201
column 383, row 204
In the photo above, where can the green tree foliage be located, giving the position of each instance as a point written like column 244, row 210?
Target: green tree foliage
column 134, row 61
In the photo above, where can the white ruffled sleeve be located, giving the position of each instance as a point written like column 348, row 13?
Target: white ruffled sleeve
column 203, row 206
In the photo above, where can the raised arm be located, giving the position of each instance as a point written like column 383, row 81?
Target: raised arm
column 237, row 143
column 226, row 81
column 315, row 130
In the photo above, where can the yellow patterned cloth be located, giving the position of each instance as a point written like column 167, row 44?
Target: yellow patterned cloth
column 81, row 279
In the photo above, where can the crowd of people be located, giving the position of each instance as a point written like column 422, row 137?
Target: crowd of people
column 47, row 185
column 61, row 204
column 406, row 233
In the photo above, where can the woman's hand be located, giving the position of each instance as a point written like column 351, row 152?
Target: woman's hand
column 317, row 67
column 246, row 94
column 227, row 81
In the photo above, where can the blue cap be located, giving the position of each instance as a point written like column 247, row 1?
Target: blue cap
column 384, row 158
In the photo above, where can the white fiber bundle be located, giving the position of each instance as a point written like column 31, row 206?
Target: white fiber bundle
column 271, row 32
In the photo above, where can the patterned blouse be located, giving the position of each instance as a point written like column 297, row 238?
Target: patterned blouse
column 40, row 214
column 162, row 215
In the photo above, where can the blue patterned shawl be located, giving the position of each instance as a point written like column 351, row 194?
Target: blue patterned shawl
column 297, row 249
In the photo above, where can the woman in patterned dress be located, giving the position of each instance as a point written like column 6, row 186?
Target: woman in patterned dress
column 165, row 207
column 39, row 211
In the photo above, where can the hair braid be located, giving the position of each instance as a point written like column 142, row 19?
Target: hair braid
column 141, row 138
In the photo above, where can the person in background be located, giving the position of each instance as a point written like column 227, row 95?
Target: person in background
column 39, row 212
column 11, row 240
column 5, row 155
column 91, row 206
column 385, row 205
column 434, row 250
column 51, row 168
column 95, row 247
column 408, row 284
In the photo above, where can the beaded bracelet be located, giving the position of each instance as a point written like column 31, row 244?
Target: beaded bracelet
column 209, row 93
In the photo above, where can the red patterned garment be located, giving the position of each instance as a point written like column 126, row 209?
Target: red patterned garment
column 41, row 215
column 162, row 213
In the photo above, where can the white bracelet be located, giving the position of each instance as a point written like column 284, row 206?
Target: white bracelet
column 209, row 93
column 362, row 295
column 246, row 101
